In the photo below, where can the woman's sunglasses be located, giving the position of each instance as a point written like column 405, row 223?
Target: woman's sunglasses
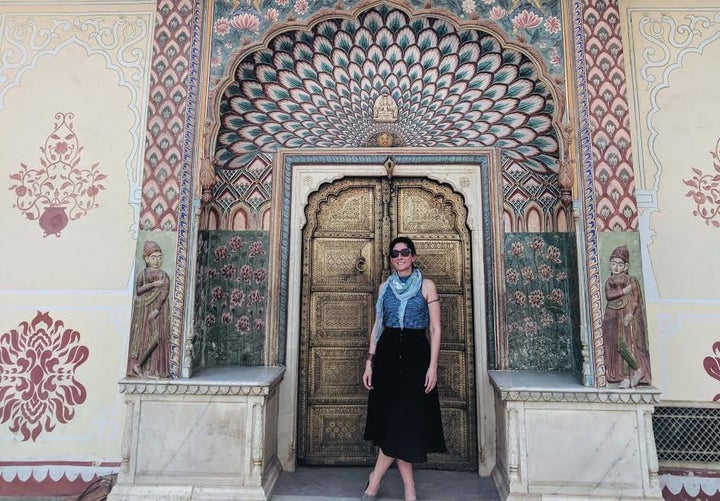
column 402, row 252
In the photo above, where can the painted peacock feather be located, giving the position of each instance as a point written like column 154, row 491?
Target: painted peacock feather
column 453, row 88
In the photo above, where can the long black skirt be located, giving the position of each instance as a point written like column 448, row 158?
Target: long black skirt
column 402, row 419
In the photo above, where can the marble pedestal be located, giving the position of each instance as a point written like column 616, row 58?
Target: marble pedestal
column 211, row 437
column 559, row 440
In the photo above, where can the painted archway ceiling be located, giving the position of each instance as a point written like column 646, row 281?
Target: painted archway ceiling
column 453, row 88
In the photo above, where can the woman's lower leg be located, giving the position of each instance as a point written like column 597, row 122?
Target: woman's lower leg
column 382, row 464
column 406, row 473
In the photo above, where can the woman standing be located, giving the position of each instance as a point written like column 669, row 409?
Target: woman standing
column 149, row 354
column 403, row 417
column 627, row 360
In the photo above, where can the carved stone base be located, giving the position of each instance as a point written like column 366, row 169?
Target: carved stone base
column 186, row 493
column 211, row 437
column 559, row 440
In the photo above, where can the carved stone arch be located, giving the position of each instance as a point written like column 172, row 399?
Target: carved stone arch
column 265, row 218
column 562, row 220
column 508, row 219
column 238, row 218
column 213, row 219
column 534, row 220
column 514, row 222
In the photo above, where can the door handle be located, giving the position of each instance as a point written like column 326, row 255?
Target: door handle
column 361, row 264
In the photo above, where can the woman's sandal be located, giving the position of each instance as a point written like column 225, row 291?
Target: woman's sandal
column 365, row 495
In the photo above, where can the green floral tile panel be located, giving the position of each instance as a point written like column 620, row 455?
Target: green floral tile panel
column 201, row 288
column 541, row 302
column 230, row 325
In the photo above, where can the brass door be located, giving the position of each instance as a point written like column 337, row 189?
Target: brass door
column 349, row 226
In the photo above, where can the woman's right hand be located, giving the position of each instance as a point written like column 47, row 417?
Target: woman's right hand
column 367, row 375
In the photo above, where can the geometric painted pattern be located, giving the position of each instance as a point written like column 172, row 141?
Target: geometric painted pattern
column 247, row 189
column 452, row 88
column 616, row 208
column 166, row 115
column 531, row 198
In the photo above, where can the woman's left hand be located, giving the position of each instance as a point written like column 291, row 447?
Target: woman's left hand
column 430, row 379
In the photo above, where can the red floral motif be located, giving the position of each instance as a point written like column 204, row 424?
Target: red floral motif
column 552, row 24
column 497, row 13
column 249, row 22
column 555, row 58
column 712, row 366
column 222, row 26
column 38, row 388
column 301, row 7
column 526, row 19
column 706, row 192
column 272, row 15
column 60, row 190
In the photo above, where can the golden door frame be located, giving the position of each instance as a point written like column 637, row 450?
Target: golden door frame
column 298, row 173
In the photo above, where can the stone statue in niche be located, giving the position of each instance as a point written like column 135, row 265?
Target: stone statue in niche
column 627, row 358
column 149, row 353
column 385, row 109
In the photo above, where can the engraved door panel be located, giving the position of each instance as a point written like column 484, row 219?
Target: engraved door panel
column 434, row 217
column 340, row 280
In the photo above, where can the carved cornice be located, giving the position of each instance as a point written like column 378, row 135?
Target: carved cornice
column 129, row 387
column 220, row 381
column 649, row 396
column 540, row 386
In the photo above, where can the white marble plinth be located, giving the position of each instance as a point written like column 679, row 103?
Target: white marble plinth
column 210, row 437
column 559, row 440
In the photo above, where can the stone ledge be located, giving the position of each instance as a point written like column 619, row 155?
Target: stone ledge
column 245, row 381
column 537, row 386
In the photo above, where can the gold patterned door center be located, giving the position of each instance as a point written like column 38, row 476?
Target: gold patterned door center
column 349, row 226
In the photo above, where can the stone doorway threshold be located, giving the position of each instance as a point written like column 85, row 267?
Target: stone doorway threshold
column 338, row 483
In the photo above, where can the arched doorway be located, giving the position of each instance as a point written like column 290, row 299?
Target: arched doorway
column 349, row 225
column 471, row 174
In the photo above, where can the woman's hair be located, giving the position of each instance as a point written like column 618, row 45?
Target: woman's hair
column 620, row 252
column 151, row 247
column 403, row 240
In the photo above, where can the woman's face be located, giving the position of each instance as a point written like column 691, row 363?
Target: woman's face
column 617, row 266
column 154, row 260
column 403, row 264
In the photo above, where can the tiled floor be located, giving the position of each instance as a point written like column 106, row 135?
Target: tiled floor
column 347, row 484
